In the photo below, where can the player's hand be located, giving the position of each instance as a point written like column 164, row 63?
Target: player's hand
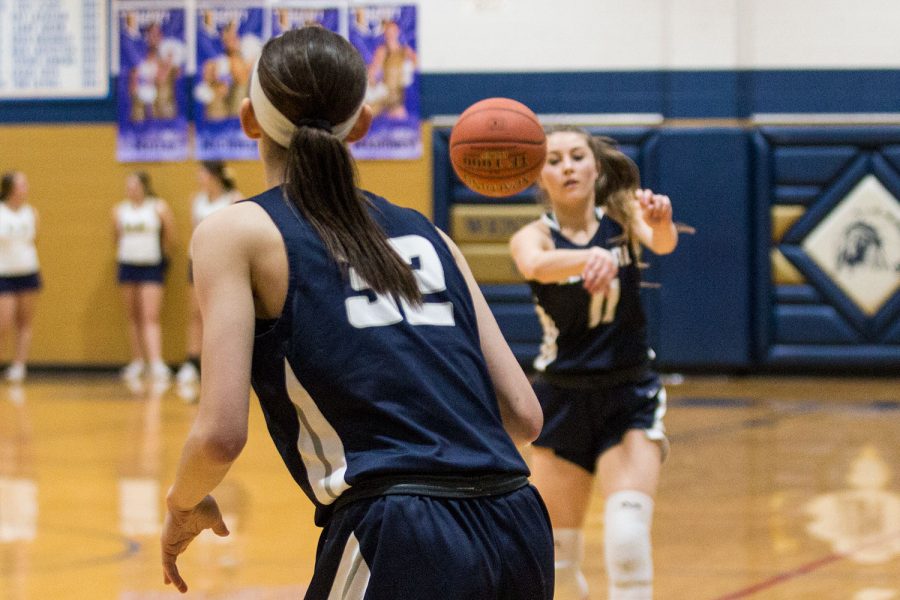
column 599, row 270
column 656, row 208
column 180, row 528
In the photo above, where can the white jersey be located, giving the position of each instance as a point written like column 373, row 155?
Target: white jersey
column 203, row 206
column 140, row 229
column 18, row 256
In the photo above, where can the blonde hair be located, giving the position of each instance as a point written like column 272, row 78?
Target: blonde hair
column 619, row 179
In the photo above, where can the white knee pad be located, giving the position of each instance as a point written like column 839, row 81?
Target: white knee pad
column 569, row 552
column 629, row 565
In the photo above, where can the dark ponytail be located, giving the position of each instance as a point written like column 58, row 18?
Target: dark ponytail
column 7, row 182
column 221, row 172
column 317, row 79
column 146, row 183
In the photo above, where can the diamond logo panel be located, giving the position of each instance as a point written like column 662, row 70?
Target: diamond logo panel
column 858, row 245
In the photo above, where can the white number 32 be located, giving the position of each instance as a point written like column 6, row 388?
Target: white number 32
column 364, row 312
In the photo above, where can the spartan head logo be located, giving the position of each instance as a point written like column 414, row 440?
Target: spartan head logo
column 861, row 245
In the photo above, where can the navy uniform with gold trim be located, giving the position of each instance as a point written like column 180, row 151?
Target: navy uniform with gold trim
column 594, row 362
column 386, row 417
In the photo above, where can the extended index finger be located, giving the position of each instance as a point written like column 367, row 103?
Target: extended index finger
column 171, row 574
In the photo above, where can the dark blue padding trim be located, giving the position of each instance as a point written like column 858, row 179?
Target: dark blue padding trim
column 892, row 335
column 811, row 165
column 673, row 94
column 834, row 357
column 830, row 198
column 796, row 194
column 812, row 324
column 560, row 92
column 518, row 322
column 506, row 292
column 823, row 90
column 866, row 137
column 892, row 155
column 442, row 178
column 81, row 110
column 797, row 294
column 762, row 301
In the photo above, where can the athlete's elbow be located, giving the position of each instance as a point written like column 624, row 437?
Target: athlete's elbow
column 533, row 427
column 528, row 425
column 223, row 447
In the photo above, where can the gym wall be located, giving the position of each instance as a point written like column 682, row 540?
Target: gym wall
column 705, row 85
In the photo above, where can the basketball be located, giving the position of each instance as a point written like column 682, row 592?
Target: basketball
column 497, row 147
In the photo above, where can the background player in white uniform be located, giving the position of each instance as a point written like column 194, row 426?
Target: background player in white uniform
column 144, row 227
column 19, row 269
column 386, row 384
column 603, row 405
column 217, row 190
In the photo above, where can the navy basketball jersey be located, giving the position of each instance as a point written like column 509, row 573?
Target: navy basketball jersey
column 355, row 385
column 585, row 333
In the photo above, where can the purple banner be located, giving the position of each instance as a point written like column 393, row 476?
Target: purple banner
column 229, row 41
column 152, row 104
column 286, row 18
column 386, row 37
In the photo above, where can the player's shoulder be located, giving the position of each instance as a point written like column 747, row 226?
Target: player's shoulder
column 396, row 213
column 536, row 230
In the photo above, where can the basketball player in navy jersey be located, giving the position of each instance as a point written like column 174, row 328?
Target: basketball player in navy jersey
column 603, row 405
column 385, row 382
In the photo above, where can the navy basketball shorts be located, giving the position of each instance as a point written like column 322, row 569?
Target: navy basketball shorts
column 580, row 425
column 404, row 547
column 20, row 283
column 141, row 273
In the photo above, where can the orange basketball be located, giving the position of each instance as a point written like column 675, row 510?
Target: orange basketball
column 497, row 147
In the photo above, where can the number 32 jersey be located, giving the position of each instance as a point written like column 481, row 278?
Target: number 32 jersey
column 587, row 334
column 356, row 385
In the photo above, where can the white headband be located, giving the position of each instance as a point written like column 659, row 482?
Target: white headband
column 276, row 125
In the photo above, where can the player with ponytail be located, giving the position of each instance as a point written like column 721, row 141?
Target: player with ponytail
column 385, row 382
column 603, row 404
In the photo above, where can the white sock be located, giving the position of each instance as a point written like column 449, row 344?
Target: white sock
column 569, row 548
column 629, row 565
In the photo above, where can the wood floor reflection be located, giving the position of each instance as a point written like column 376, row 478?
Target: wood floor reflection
column 780, row 488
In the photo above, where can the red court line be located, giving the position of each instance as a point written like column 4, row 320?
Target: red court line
column 804, row 569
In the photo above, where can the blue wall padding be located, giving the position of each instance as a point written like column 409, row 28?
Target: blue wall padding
column 837, row 359
column 810, row 164
column 797, row 294
column 796, row 194
column 705, row 298
column 816, row 324
column 716, row 306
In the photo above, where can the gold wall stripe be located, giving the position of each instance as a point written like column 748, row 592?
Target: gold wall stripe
column 491, row 263
column 783, row 217
column 783, row 272
column 490, row 223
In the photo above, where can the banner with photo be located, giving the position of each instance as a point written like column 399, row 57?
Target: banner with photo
column 386, row 36
column 293, row 14
column 230, row 36
column 152, row 103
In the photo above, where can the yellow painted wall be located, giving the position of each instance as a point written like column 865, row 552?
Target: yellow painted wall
column 75, row 180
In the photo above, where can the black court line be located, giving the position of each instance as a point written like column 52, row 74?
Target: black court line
column 130, row 548
column 777, row 413
column 774, row 417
